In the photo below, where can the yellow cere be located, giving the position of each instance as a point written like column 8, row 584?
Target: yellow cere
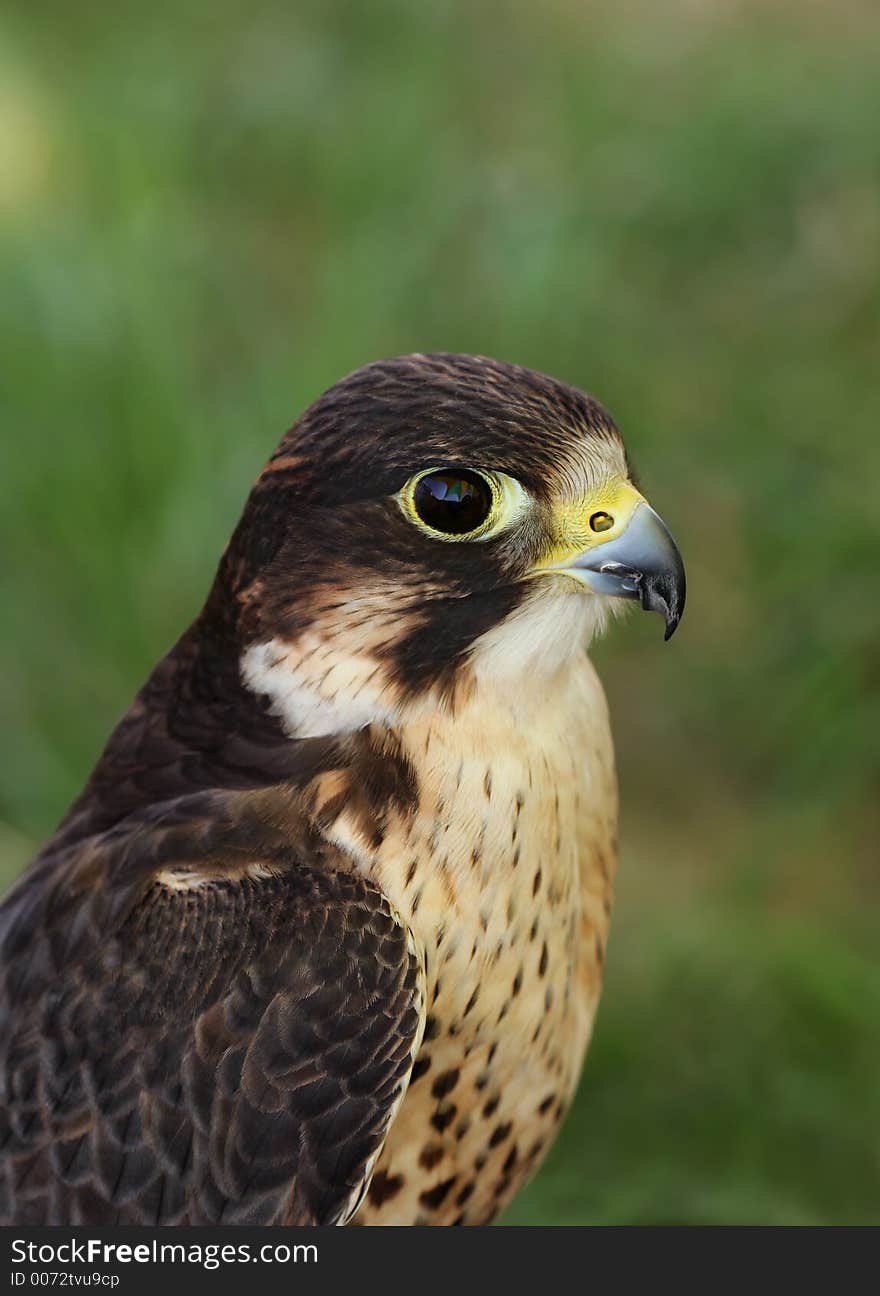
column 581, row 524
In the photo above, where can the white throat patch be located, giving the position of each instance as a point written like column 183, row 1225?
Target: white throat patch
column 536, row 640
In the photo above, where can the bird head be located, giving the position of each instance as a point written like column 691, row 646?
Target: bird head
column 432, row 522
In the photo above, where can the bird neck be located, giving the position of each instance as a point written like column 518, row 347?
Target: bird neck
column 192, row 726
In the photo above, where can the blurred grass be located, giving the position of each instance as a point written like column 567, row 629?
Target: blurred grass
column 206, row 217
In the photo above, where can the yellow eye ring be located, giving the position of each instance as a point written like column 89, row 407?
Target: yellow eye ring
column 451, row 503
column 601, row 521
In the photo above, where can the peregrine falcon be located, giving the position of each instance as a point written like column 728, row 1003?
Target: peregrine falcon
column 321, row 941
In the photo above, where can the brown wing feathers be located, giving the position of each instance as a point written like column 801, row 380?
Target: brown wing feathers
column 227, row 1049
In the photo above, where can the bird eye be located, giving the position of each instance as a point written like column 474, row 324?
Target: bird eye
column 601, row 522
column 455, row 502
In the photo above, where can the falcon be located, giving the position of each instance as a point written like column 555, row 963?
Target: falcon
column 321, row 941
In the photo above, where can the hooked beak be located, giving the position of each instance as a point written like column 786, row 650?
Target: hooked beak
column 642, row 562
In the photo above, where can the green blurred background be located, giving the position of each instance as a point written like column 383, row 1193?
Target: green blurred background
column 208, row 214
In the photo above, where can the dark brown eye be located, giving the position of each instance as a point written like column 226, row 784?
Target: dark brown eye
column 601, row 522
column 454, row 502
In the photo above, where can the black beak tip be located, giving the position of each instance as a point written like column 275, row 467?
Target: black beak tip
column 665, row 594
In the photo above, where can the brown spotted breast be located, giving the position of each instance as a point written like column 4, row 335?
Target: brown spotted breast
column 504, row 874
